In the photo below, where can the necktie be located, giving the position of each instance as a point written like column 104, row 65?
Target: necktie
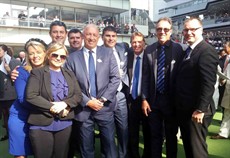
column 187, row 52
column 136, row 78
column 161, row 71
column 92, row 75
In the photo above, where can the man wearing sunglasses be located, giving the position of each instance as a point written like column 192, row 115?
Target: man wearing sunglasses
column 160, row 64
column 195, row 82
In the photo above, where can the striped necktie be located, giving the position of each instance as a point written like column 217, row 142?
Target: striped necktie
column 161, row 71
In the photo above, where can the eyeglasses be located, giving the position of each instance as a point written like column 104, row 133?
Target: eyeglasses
column 63, row 57
column 163, row 29
column 191, row 30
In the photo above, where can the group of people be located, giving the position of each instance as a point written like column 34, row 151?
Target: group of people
column 163, row 86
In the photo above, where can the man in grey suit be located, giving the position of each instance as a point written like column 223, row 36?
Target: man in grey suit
column 99, row 80
column 109, row 36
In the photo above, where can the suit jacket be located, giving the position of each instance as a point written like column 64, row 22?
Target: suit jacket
column 107, row 80
column 226, row 97
column 131, row 59
column 122, row 52
column 149, row 74
column 39, row 94
column 196, row 79
column 7, row 88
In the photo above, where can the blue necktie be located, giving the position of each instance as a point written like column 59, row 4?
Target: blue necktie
column 92, row 75
column 161, row 71
column 187, row 52
column 136, row 78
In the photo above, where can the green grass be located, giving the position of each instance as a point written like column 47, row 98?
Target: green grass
column 217, row 148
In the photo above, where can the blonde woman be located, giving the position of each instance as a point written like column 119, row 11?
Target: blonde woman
column 53, row 93
column 19, row 143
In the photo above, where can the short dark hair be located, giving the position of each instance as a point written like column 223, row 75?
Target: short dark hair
column 109, row 28
column 74, row 31
column 58, row 23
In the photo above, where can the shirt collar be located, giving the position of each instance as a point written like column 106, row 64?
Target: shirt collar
column 87, row 50
column 167, row 44
column 140, row 55
column 196, row 43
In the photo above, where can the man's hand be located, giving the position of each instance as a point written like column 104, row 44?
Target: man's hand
column 65, row 112
column 145, row 107
column 14, row 74
column 95, row 104
column 198, row 116
column 222, row 81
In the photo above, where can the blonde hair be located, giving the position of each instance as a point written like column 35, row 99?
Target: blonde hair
column 35, row 43
column 53, row 47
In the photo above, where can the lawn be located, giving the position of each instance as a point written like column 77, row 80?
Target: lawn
column 217, row 148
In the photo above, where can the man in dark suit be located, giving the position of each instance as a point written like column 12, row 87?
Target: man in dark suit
column 160, row 65
column 194, row 90
column 136, row 117
column 109, row 36
column 75, row 39
column 97, row 72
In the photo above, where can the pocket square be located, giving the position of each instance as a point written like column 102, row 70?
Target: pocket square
column 126, row 53
column 99, row 60
column 173, row 61
column 122, row 63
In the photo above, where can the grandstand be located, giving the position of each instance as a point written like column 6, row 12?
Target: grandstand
column 215, row 15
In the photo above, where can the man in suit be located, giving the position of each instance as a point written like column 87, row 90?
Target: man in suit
column 109, row 36
column 160, row 65
column 58, row 31
column 97, row 72
column 136, row 117
column 75, row 40
column 225, row 102
column 22, row 56
column 195, row 82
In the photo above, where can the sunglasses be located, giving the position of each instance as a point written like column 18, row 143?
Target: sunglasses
column 63, row 57
column 163, row 29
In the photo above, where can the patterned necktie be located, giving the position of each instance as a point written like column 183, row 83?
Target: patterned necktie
column 136, row 78
column 161, row 71
column 187, row 52
column 92, row 75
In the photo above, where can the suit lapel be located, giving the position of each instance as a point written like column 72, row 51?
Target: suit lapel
column 83, row 64
column 154, row 62
column 130, row 65
column 47, row 81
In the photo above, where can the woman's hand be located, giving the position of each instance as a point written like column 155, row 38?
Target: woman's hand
column 58, row 107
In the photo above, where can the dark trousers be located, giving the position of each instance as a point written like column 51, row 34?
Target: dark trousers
column 107, row 131
column 194, row 134
column 162, row 120
column 74, row 145
column 136, row 119
column 121, row 124
column 50, row 144
column 4, row 110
